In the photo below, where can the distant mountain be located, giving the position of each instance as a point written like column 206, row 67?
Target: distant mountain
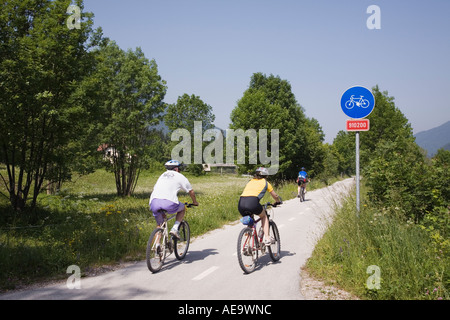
column 434, row 139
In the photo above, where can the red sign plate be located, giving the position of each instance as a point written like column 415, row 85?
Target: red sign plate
column 358, row 125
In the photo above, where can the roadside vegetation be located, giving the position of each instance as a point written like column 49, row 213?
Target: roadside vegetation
column 403, row 230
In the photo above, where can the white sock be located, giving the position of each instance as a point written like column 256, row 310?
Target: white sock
column 175, row 226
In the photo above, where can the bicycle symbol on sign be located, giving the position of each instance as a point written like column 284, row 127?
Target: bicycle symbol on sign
column 363, row 103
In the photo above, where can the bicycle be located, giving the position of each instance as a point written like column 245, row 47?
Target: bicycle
column 160, row 245
column 250, row 243
column 360, row 102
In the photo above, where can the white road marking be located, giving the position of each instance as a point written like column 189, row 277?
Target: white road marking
column 205, row 273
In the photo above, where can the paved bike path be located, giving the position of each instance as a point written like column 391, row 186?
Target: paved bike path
column 211, row 270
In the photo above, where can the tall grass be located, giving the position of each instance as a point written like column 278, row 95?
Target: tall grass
column 402, row 250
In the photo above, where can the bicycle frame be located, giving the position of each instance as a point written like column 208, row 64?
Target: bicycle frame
column 260, row 244
column 167, row 241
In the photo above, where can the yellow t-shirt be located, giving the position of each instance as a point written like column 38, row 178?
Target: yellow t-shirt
column 257, row 188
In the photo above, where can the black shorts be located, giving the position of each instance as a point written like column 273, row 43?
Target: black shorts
column 301, row 181
column 249, row 205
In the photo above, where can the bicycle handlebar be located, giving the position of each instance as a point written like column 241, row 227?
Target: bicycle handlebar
column 274, row 204
column 189, row 205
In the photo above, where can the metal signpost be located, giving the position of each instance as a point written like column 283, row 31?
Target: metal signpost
column 357, row 103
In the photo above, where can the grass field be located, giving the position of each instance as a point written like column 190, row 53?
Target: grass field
column 87, row 225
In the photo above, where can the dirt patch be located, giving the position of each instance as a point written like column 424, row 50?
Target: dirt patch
column 315, row 289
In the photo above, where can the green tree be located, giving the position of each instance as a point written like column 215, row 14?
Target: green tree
column 344, row 144
column 387, row 123
column 269, row 103
column 182, row 115
column 42, row 61
column 129, row 93
column 187, row 109
column 398, row 176
column 330, row 164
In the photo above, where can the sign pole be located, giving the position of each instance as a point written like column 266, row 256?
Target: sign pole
column 357, row 173
column 357, row 103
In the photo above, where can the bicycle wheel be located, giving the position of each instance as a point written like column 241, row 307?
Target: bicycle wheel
column 275, row 248
column 156, row 252
column 302, row 194
column 181, row 245
column 246, row 250
column 349, row 104
column 365, row 103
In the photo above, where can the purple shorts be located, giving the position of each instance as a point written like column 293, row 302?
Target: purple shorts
column 163, row 204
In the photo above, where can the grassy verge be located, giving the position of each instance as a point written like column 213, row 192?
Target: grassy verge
column 402, row 252
column 87, row 225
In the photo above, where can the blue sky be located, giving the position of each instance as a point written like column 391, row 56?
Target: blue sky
column 211, row 48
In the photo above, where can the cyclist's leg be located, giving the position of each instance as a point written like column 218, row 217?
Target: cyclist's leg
column 180, row 209
column 159, row 217
column 158, row 214
column 265, row 224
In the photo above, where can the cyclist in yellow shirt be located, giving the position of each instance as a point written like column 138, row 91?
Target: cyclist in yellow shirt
column 253, row 192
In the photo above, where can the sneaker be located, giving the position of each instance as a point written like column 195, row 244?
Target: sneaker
column 270, row 241
column 175, row 233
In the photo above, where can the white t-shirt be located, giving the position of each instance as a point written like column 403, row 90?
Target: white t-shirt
column 168, row 185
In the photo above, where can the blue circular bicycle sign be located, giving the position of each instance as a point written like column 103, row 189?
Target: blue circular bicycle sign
column 357, row 102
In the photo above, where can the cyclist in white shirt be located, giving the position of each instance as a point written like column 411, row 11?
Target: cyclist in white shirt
column 165, row 195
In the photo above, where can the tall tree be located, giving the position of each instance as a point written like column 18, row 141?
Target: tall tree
column 269, row 103
column 182, row 115
column 128, row 90
column 42, row 60
column 186, row 110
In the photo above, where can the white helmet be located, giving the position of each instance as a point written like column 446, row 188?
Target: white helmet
column 172, row 164
column 262, row 171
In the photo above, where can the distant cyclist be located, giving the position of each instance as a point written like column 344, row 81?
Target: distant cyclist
column 165, row 195
column 302, row 179
column 253, row 192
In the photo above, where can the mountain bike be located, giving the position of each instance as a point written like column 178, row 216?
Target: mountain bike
column 250, row 242
column 160, row 245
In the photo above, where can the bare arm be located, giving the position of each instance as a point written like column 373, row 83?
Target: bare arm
column 192, row 195
column 275, row 196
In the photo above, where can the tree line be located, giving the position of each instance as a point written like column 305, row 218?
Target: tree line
column 72, row 100
column 70, row 95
